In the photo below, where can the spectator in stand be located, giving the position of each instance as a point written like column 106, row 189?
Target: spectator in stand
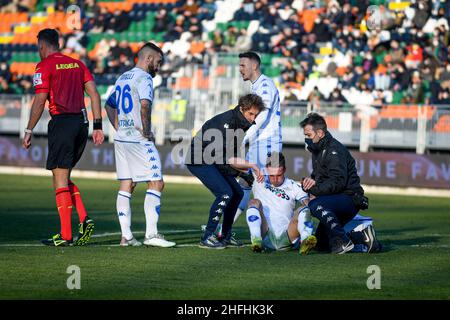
column 120, row 21
column 444, row 97
column 163, row 21
column 101, row 22
column 230, row 38
column 207, row 10
column 243, row 42
column 190, row 7
column 195, row 27
column 16, row 6
column 336, row 98
column 90, row 8
column 241, row 14
column 177, row 30
column 289, row 73
column 5, row 87
column 296, row 29
column 314, row 99
column 4, row 72
column 218, row 40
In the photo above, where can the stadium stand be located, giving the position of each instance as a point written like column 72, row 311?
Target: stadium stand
column 319, row 52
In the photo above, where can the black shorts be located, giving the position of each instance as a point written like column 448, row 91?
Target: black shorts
column 67, row 137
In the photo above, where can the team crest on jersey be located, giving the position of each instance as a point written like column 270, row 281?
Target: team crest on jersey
column 37, row 79
column 280, row 193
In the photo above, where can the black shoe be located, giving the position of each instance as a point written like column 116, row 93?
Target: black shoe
column 377, row 247
column 231, row 241
column 370, row 239
column 57, row 241
column 85, row 231
column 340, row 246
column 211, row 242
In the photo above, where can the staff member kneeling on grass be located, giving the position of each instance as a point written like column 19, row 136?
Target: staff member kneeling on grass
column 209, row 158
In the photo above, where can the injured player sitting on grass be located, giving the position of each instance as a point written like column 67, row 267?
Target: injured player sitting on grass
column 272, row 217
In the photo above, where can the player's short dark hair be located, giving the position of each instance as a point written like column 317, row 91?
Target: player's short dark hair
column 252, row 56
column 50, row 37
column 151, row 46
column 276, row 160
column 316, row 121
column 249, row 101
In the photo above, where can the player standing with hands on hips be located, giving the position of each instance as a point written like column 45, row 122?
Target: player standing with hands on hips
column 137, row 160
column 63, row 80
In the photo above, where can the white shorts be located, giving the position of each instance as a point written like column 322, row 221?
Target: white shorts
column 138, row 161
column 258, row 151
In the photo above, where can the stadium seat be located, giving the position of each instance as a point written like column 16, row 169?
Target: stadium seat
column 443, row 124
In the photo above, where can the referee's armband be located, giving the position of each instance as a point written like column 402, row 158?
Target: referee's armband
column 97, row 124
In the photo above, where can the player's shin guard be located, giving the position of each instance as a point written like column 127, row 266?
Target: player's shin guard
column 152, row 206
column 77, row 201
column 124, row 213
column 244, row 202
column 305, row 224
column 254, row 222
column 64, row 204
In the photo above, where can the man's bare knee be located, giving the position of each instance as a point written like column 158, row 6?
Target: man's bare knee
column 156, row 185
column 127, row 186
column 255, row 203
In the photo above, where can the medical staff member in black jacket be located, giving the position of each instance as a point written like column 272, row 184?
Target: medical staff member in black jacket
column 335, row 189
column 212, row 150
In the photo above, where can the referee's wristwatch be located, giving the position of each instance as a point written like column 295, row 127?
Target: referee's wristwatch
column 28, row 131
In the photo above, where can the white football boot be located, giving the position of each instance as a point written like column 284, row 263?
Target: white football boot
column 130, row 243
column 158, row 240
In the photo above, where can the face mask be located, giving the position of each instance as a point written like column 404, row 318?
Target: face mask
column 309, row 142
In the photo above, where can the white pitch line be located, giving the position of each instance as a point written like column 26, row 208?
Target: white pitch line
column 24, row 245
column 21, row 245
column 108, row 234
column 430, row 246
column 186, row 245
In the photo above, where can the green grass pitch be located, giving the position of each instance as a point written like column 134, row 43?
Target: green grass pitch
column 415, row 232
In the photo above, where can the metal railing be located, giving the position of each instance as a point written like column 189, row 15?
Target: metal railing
column 427, row 128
